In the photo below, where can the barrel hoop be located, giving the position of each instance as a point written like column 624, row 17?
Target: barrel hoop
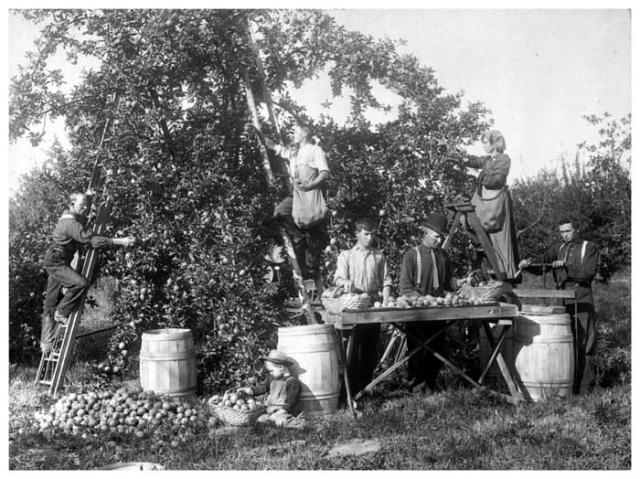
column 167, row 334
column 164, row 357
column 306, row 330
column 318, row 395
column 316, row 348
column 536, row 339
column 173, row 392
column 549, row 384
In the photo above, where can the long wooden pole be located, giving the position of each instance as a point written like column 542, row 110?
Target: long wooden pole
column 266, row 164
column 288, row 244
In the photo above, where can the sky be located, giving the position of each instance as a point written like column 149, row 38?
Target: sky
column 538, row 71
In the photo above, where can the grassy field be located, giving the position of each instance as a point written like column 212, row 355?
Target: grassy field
column 457, row 429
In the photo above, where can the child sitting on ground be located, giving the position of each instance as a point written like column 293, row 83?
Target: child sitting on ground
column 284, row 392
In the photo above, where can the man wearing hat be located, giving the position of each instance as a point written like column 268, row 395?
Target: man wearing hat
column 426, row 270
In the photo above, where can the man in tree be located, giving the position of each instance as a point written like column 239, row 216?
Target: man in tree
column 68, row 237
column 303, row 214
column 575, row 263
column 363, row 269
column 426, row 270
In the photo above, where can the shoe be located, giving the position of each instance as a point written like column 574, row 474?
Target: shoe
column 60, row 318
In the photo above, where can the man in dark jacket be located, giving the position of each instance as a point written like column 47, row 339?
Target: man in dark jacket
column 68, row 237
column 575, row 263
column 426, row 270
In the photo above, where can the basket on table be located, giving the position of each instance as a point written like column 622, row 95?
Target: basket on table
column 492, row 290
column 335, row 300
column 232, row 417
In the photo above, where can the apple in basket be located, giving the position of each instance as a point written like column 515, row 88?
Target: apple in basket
column 235, row 401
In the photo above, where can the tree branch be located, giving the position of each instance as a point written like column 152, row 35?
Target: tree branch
column 527, row 228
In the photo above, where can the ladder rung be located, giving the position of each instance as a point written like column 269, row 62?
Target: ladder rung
column 46, row 382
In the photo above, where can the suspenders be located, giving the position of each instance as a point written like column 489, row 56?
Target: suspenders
column 419, row 266
column 582, row 251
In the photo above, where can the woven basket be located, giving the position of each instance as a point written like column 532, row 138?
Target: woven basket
column 489, row 293
column 335, row 301
column 492, row 291
column 232, row 417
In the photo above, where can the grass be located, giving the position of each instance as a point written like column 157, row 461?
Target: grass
column 457, row 429
column 463, row 430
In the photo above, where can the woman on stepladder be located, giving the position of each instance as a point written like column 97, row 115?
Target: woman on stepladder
column 493, row 204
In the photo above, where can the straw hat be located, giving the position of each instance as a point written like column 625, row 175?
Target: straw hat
column 278, row 357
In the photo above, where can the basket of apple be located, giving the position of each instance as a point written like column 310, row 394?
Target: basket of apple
column 235, row 408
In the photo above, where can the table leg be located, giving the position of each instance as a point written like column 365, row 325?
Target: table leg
column 513, row 399
column 396, row 336
column 444, row 360
column 504, row 369
column 345, row 371
column 397, row 364
column 493, row 356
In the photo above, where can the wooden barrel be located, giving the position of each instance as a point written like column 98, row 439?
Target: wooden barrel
column 315, row 349
column 507, row 349
column 544, row 354
column 168, row 362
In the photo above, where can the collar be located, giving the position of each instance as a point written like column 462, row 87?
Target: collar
column 357, row 247
column 573, row 241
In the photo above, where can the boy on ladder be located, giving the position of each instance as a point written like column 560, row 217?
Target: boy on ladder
column 68, row 237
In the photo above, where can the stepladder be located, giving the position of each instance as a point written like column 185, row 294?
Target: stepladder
column 54, row 364
column 478, row 235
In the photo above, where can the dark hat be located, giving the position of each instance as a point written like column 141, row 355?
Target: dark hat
column 278, row 357
column 438, row 223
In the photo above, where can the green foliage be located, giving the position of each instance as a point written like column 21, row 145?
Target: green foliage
column 185, row 174
column 597, row 195
column 33, row 211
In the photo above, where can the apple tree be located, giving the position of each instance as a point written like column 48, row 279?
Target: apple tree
column 185, row 172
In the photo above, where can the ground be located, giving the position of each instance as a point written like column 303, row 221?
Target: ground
column 454, row 429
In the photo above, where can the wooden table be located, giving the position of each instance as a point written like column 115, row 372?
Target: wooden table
column 498, row 313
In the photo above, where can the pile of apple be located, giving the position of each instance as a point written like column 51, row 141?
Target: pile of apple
column 449, row 300
column 235, row 400
column 121, row 411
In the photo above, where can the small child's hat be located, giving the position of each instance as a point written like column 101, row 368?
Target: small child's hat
column 278, row 357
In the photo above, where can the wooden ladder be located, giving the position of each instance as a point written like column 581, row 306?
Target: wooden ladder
column 54, row 364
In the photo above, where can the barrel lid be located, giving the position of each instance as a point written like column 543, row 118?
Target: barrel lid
column 306, row 329
column 539, row 309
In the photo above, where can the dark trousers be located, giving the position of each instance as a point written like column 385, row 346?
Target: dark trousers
column 308, row 243
column 364, row 355
column 585, row 343
column 75, row 284
column 423, row 367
